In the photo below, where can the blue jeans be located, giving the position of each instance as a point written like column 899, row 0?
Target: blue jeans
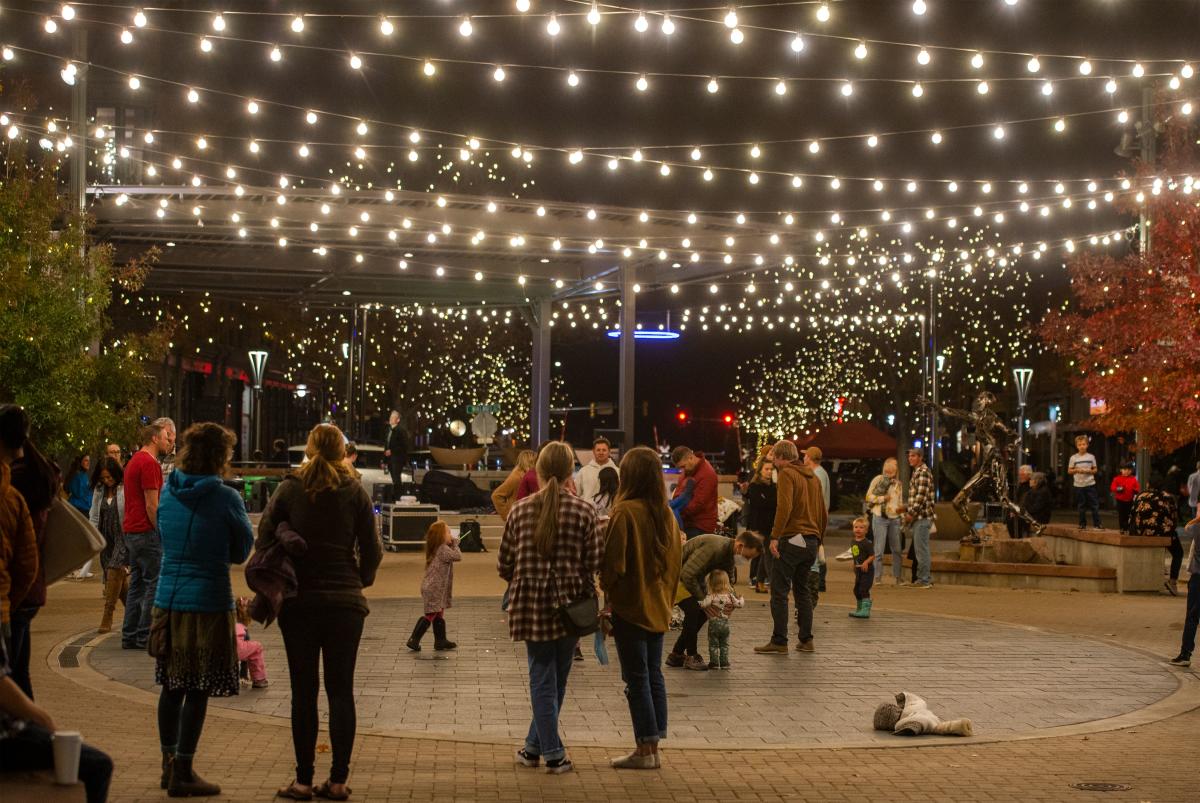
column 920, row 532
column 145, row 559
column 886, row 535
column 640, row 653
column 549, row 665
column 1088, row 498
column 1192, row 617
column 790, row 573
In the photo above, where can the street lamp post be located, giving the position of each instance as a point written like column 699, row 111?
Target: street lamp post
column 1023, row 377
column 258, row 370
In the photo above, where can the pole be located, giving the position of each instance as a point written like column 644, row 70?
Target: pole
column 934, row 440
column 539, row 411
column 1147, row 138
column 351, row 350
column 628, row 330
column 362, row 375
column 79, row 127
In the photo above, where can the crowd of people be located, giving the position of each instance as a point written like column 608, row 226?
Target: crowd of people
column 607, row 538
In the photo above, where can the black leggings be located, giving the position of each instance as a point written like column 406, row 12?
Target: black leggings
column 693, row 619
column 312, row 636
column 180, row 720
column 1176, row 550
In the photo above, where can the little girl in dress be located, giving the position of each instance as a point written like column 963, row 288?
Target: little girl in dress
column 441, row 553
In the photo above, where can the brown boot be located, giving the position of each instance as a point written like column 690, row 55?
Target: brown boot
column 114, row 579
column 186, row 783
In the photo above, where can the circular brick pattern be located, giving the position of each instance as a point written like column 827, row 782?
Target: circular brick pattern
column 1011, row 681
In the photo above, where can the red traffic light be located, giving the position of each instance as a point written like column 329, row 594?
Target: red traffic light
column 728, row 419
column 682, row 416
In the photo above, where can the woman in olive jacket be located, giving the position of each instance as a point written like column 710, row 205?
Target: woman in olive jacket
column 639, row 574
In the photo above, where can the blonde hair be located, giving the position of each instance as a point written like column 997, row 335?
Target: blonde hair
column 325, row 450
column 718, row 582
column 863, row 521
column 525, row 460
column 555, row 464
column 435, row 536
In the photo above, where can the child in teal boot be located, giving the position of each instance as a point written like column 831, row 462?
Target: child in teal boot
column 863, row 552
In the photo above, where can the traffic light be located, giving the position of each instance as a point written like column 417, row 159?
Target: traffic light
column 728, row 419
column 682, row 417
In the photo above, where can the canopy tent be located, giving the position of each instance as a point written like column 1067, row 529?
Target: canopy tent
column 851, row 440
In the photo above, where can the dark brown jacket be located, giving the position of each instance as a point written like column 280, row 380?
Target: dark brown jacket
column 800, row 507
column 343, row 543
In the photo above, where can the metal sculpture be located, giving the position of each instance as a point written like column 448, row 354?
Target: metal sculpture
column 995, row 441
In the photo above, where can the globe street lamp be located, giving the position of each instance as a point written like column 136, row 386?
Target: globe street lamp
column 258, row 370
column 1023, row 377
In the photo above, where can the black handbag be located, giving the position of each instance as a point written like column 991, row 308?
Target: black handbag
column 580, row 616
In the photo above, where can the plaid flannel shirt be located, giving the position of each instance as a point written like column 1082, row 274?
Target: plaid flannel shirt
column 534, row 595
column 920, row 493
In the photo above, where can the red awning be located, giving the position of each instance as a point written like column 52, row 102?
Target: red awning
column 850, row 440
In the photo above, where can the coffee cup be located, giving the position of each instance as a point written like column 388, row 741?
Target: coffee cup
column 67, row 746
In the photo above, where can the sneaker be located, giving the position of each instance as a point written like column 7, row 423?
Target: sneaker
column 674, row 659
column 260, row 684
column 560, row 766
column 845, row 556
column 695, row 663
column 1170, row 586
column 527, row 759
column 771, row 648
column 922, row 585
column 1181, row 660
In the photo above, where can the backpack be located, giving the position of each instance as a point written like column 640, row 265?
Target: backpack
column 470, row 536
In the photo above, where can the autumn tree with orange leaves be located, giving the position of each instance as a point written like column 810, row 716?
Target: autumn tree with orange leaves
column 1132, row 328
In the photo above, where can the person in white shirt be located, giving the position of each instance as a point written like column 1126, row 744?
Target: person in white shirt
column 587, row 481
column 1083, row 469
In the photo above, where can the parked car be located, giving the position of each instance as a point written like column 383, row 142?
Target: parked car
column 372, row 465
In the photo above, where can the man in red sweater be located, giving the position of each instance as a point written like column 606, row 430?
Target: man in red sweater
column 700, row 515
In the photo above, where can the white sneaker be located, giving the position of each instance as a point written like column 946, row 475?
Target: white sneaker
column 845, row 556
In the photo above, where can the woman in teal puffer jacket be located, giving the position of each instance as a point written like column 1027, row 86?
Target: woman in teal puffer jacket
column 204, row 528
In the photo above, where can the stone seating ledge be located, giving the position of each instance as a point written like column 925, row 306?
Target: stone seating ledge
column 39, row 786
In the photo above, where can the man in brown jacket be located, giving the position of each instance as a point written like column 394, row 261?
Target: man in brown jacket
column 800, row 520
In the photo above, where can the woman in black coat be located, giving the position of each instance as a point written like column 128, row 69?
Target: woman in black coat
column 760, row 516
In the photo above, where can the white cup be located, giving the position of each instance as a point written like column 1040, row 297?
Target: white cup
column 67, row 746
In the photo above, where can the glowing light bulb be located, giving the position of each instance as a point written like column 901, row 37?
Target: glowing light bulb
column 641, row 24
column 977, row 61
column 797, row 43
column 139, row 19
column 218, row 23
column 126, row 37
column 731, row 19
column 593, row 15
column 860, row 52
column 982, row 87
column 872, row 141
column 823, row 13
column 193, row 96
column 1060, row 125
column 297, row 24
column 498, row 75
column 780, row 88
column 1085, row 67
column 572, row 79
column 465, row 28
column 1138, row 71
column 998, row 132
column 355, row 62
column 736, row 36
column 923, row 57
column 311, row 118
column 552, row 27
column 1186, row 71
column 814, row 147
column 205, row 45
column 1110, row 86
column 642, row 84
column 67, row 12
column 428, row 68
column 522, row 6
column 1033, row 65
column 276, row 54
column 668, row 26
column 386, row 27
column 1047, row 89
column 847, row 89
column 135, row 82
column 918, row 90
column 361, row 128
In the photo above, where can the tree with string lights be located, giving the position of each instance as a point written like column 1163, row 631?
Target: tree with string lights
column 1132, row 331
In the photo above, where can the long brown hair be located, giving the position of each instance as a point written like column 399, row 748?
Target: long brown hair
column 324, row 471
column 435, row 536
column 555, row 463
column 642, row 480
column 763, row 454
column 206, row 449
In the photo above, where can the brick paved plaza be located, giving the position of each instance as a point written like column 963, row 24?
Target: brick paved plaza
column 1063, row 688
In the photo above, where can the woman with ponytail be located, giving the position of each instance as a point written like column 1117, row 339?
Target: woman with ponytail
column 549, row 554
column 639, row 575
column 333, row 514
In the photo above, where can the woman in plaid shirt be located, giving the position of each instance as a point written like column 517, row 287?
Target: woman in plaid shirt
column 549, row 555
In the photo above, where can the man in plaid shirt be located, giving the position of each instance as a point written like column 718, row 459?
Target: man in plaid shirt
column 918, row 514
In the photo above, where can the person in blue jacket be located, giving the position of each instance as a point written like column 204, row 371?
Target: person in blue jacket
column 204, row 528
column 79, row 494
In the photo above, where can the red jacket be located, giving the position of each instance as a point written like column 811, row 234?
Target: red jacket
column 529, row 484
column 1125, row 488
column 701, row 512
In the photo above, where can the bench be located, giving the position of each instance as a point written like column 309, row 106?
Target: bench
column 1137, row 560
column 39, row 786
